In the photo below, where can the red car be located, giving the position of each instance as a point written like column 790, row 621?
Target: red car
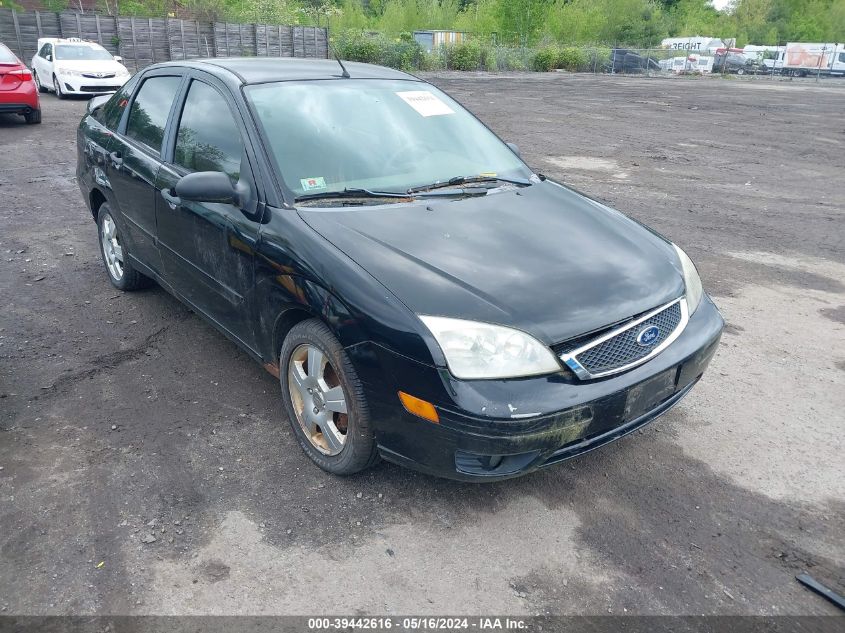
column 18, row 94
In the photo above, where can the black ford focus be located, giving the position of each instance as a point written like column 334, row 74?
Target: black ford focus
column 420, row 293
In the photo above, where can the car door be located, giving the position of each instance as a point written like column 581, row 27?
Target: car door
column 42, row 66
column 96, row 136
column 134, row 160
column 206, row 247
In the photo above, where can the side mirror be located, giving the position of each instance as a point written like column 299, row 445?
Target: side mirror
column 514, row 148
column 118, row 58
column 207, row 186
column 97, row 102
column 49, row 57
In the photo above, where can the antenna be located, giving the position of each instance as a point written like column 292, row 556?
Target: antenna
column 345, row 73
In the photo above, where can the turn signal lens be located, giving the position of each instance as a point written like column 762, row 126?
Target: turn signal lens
column 420, row 408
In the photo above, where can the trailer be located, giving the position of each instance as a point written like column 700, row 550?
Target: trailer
column 800, row 59
column 690, row 64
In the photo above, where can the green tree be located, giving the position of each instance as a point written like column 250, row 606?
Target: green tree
column 522, row 18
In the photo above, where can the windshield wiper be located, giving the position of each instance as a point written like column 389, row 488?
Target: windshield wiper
column 411, row 193
column 462, row 180
column 352, row 193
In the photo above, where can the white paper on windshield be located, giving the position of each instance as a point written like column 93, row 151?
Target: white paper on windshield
column 425, row 102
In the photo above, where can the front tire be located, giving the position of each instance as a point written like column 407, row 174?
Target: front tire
column 324, row 400
column 113, row 250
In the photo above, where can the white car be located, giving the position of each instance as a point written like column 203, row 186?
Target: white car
column 76, row 67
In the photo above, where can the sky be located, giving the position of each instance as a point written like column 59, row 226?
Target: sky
column 720, row 4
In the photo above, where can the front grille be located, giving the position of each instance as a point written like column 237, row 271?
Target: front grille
column 622, row 349
column 96, row 76
column 99, row 88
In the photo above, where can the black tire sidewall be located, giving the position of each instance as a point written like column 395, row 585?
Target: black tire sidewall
column 359, row 448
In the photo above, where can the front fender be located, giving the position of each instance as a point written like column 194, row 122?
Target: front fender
column 283, row 300
column 299, row 272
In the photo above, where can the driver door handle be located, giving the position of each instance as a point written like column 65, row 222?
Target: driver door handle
column 172, row 201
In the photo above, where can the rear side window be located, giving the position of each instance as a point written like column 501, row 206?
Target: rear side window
column 6, row 56
column 112, row 110
column 208, row 138
column 149, row 110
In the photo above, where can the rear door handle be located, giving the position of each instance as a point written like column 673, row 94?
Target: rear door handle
column 116, row 159
column 172, row 201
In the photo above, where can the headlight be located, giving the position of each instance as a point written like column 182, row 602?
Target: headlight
column 122, row 73
column 691, row 280
column 68, row 72
column 482, row 350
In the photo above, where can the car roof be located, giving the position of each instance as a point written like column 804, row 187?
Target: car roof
column 67, row 40
column 256, row 70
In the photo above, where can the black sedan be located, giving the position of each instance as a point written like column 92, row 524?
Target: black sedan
column 421, row 294
column 733, row 63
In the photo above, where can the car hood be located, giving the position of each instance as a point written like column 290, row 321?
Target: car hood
column 92, row 65
column 543, row 259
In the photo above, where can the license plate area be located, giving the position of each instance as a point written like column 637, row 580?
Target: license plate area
column 643, row 397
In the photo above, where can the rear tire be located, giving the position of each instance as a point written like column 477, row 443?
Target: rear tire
column 41, row 88
column 57, row 86
column 115, row 254
column 33, row 117
column 351, row 447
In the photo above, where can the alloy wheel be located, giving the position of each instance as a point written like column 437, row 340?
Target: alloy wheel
column 112, row 250
column 319, row 401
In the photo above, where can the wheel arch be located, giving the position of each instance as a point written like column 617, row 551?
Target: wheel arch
column 285, row 322
column 292, row 299
column 96, row 198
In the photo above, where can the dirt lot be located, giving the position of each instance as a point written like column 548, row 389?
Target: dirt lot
column 124, row 415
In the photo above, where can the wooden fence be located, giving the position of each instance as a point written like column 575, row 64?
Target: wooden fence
column 144, row 41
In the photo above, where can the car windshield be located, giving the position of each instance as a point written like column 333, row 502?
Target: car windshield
column 71, row 52
column 6, row 56
column 384, row 135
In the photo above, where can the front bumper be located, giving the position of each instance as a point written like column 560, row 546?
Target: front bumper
column 73, row 85
column 498, row 429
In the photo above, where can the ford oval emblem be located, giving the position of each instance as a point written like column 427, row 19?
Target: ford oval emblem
column 648, row 335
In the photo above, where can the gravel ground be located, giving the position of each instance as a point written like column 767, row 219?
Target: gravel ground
column 124, row 418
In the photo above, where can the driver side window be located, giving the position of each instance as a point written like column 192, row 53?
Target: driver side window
column 208, row 138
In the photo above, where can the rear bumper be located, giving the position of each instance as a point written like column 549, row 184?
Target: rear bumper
column 17, row 108
column 21, row 100
column 565, row 417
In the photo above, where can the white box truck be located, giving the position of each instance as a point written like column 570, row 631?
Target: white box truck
column 801, row 59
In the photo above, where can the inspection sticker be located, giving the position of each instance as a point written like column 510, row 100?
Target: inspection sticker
column 425, row 102
column 308, row 184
